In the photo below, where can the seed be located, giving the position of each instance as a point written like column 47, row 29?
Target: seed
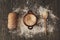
column 45, row 15
column 12, row 21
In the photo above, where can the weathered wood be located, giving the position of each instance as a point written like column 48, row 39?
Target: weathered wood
column 6, row 7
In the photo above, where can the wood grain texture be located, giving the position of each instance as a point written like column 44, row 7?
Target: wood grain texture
column 6, row 7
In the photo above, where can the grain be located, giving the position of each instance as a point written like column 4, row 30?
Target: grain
column 12, row 21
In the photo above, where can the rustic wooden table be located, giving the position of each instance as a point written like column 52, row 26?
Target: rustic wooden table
column 6, row 7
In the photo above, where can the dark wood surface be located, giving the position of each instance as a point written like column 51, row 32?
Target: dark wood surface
column 6, row 7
